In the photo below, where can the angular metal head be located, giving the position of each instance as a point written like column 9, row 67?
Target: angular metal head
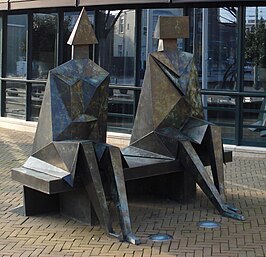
column 82, row 36
column 174, row 27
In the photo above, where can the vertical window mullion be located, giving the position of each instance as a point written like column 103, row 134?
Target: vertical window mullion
column 3, row 62
column 29, row 66
column 240, row 73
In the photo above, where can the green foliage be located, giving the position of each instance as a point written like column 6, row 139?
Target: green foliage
column 255, row 47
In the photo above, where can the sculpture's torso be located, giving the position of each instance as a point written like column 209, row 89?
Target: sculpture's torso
column 170, row 96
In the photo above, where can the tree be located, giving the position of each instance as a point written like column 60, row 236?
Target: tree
column 255, row 47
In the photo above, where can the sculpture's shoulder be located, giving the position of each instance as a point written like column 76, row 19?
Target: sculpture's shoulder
column 183, row 57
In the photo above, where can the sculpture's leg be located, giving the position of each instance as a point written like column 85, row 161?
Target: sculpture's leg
column 91, row 179
column 191, row 161
column 215, row 150
column 119, row 195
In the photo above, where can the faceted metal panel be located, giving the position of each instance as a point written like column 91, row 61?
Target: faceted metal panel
column 153, row 143
column 172, row 27
column 75, row 110
column 82, row 33
column 36, row 164
column 50, row 155
column 195, row 129
column 137, row 152
column 172, row 100
column 177, row 116
column 161, row 86
column 144, row 110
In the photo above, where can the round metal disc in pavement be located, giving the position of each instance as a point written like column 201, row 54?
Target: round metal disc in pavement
column 160, row 237
column 209, row 224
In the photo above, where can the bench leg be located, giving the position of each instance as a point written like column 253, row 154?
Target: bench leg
column 36, row 202
column 76, row 205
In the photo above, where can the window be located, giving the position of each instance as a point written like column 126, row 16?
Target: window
column 44, row 44
column 120, row 50
column 121, row 24
column 254, row 76
column 16, row 46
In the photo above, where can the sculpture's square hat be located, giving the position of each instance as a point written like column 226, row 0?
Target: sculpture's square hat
column 172, row 27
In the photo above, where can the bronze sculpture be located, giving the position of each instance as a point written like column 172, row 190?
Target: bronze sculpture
column 70, row 139
column 71, row 164
column 170, row 120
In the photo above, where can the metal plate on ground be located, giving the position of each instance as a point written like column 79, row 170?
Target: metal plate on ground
column 209, row 224
column 160, row 237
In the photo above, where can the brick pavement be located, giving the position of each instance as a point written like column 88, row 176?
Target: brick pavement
column 59, row 236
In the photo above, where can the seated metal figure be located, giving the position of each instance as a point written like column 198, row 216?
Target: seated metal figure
column 69, row 144
column 169, row 121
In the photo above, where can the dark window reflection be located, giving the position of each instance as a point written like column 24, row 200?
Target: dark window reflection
column 15, row 100
column 16, row 46
column 117, row 45
column 44, row 44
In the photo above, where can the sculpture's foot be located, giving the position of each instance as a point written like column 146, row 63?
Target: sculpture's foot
column 233, row 208
column 113, row 234
column 130, row 238
column 232, row 213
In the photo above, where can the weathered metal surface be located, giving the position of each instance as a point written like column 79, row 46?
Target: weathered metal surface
column 36, row 202
column 172, row 27
column 42, row 182
column 82, row 33
column 72, row 109
column 192, row 162
column 69, row 145
column 170, row 116
column 120, row 196
column 90, row 175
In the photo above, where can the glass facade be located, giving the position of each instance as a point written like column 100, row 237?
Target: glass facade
column 16, row 63
column 44, row 44
column 228, row 43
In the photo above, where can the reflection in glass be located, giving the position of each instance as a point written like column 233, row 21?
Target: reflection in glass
column 222, row 48
column 255, row 73
column 228, row 134
column 121, row 111
column 221, row 110
column 117, row 45
column 37, row 92
column 251, row 137
column 70, row 19
column 255, row 49
column 148, row 43
column 16, row 46
column 16, row 100
column 44, row 44
column 216, row 50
